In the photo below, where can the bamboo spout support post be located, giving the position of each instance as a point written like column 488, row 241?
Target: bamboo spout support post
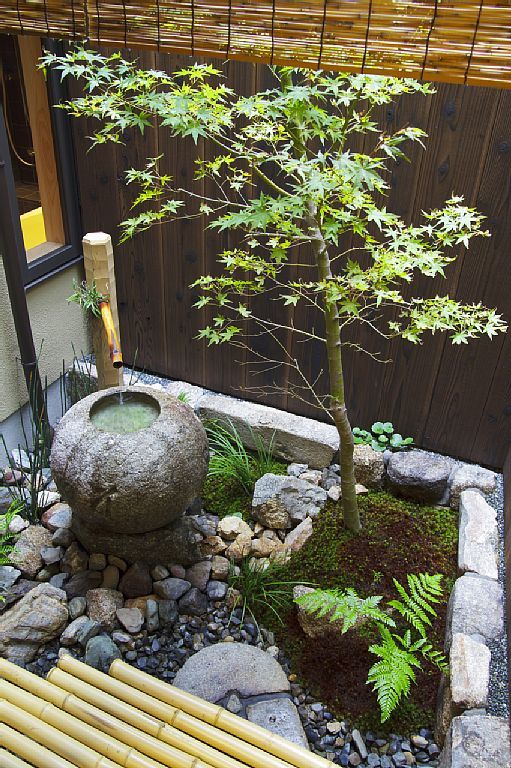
column 98, row 259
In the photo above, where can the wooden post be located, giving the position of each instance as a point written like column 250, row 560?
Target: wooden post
column 98, row 259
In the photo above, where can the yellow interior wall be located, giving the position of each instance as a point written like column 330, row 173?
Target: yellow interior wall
column 54, row 322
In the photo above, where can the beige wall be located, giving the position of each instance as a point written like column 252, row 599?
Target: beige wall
column 54, row 322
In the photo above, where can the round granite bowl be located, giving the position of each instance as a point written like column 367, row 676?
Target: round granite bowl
column 129, row 481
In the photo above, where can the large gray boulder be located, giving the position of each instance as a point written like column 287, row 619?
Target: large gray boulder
column 218, row 669
column 296, row 438
column 129, row 483
column 281, row 501
column 419, row 475
column 476, row 607
column 477, row 741
column 36, row 619
column 478, row 537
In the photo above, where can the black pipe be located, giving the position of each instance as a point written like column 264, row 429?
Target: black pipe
column 12, row 252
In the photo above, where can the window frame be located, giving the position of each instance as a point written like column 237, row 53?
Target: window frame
column 60, row 258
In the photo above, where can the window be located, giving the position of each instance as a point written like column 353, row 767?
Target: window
column 39, row 148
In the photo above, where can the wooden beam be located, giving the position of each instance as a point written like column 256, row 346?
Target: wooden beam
column 42, row 138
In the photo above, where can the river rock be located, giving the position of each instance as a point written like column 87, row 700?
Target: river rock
column 171, row 588
column 299, row 536
column 97, row 561
column 131, row 619
column 419, row 475
column 218, row 669
column 219, row 568
column 136, row 581
column 369, row 466
column 80, row 631
column 36, row 619
column 52, row 555
column 77, row 607
column 80, row 583
column 100, row 652
column 168, row 613
column 230, row 527
column 102, row 605
column 15, row 593
column 239, row 548
column 57, row 516
column 8, row 576
column 75, row 560
column 280, row 500
column 26, row 555
column 198, row 575
column 478, row 536
column 212, row 545
column 63, row 537
column 194, row 603
column 471, row 476
column 216, row 590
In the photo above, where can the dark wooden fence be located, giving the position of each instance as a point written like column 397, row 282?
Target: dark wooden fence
column 455, row 400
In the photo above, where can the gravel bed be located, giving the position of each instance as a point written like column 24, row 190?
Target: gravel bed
column 499, row 689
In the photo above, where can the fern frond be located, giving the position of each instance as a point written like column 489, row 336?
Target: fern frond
column 392, row 676
column 348, row 606
column 425, row 591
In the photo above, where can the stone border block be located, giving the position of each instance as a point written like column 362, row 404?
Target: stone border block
column 470, row 671
column 478, row 535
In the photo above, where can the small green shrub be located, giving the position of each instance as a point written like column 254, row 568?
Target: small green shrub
column 262, row 589
column 399, row 654
column 231, row 460
column 87, row 297
column 382, row 437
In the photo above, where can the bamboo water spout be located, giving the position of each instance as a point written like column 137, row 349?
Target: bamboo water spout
column 111, row 334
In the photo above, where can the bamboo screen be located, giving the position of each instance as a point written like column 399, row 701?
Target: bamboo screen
column 460, row 41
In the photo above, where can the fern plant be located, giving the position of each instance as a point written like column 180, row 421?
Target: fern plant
column 348, row 606
column 398, row 655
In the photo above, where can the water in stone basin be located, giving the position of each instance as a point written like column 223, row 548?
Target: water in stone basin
column 124, row 414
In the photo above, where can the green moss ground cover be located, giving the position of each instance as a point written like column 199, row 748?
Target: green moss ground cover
column 399, row 537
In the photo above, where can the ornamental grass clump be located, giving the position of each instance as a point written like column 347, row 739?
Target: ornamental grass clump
column 307, row 214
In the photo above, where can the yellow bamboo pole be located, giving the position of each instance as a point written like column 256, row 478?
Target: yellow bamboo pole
column 60, row 743
column 215, row 715
column 8, row 760
column 98, row 262
column 121, row 692
column 83, row 732
column 39, row 756
column 160, row 731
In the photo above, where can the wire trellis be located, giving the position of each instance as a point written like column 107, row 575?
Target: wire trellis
column 458, row 41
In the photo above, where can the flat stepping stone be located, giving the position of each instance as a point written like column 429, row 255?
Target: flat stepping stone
column 217, row 670
column 279, row 716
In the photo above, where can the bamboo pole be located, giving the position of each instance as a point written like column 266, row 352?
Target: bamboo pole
column 39, row 756
column 98, row 260
column 48, row 736
column 8, row 760
column 252, row 755
column 85, row 731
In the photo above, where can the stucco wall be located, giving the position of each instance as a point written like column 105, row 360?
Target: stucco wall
column 56, row 323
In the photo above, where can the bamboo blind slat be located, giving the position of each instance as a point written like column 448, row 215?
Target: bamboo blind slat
column 459, row 41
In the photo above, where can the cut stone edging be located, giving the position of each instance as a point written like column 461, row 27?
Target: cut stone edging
column 475, row 617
